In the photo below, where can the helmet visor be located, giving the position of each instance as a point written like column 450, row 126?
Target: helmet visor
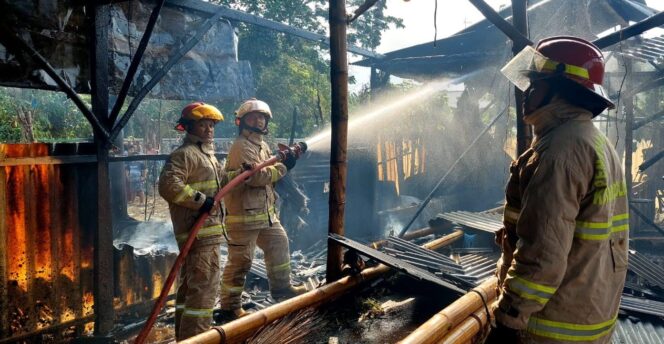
column 519, row 68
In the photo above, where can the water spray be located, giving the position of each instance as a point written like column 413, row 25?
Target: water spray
column 440, row 182
column 425, row 91
column 282, row 154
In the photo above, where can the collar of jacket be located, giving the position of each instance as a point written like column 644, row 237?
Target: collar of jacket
column 206, row 147
column 253, row 137
column 554, row 114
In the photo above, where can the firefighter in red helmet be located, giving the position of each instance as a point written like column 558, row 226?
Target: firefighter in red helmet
column 188, row 182
column 566, row 219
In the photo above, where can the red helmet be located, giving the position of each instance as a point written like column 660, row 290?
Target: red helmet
column 570, row 57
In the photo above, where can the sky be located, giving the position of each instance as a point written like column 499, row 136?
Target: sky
column 418, row 18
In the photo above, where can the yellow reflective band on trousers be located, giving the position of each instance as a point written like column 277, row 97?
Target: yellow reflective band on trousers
column 601, row 230
column 511, row 215
column 232, row 289
column 179, row 307
column 197, row 312
column 202, row 233
column 281, row 267
column 249, row 218
column 529, row 290
column 568, row 331
column 274, row 173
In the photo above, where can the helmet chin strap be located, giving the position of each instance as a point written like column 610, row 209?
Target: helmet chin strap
column 244, row 125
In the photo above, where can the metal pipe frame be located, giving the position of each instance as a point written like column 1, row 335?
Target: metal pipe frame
column 510, row 31
column 63, row 86
column 188, row 45
column 135, row 61
column 630, row 31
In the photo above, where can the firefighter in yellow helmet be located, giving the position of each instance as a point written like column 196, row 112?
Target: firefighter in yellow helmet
column 565, row 240
column 252, row 219
column 188, row 182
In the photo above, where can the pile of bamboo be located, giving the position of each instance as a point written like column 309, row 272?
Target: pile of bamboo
column 241, row 329
column 461, row 321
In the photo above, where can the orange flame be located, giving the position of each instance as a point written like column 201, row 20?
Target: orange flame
column 16, row 236
column 43, row 262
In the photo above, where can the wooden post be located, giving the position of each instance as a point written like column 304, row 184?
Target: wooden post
column 629, row 132
column 103, row 239
column 339, row 116
column 524, row 133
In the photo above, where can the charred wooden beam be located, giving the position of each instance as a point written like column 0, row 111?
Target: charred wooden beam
column 339, row 118
column 103, row 238
column 510, row 31
column 202, row 29
column 360, row 10
column 4, row 300
column 628, row 112
column 524, row 132
column 135, row 61
column 631, row 31
column 647, row 120
column 651, row 161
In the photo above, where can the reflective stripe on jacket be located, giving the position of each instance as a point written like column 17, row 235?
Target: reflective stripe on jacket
column 251, row 205
column 191, row 173
column 567, row 206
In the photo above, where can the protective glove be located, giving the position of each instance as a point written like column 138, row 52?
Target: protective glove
column 207, row 205
column 290, row 161
column 502, row 334
column 247, row 166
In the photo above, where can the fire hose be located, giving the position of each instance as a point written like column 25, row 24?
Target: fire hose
column 284, row 152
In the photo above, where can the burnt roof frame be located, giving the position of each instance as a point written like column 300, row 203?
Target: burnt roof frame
column 201, row 30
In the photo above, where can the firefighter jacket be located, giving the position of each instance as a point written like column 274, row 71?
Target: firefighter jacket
column 251, row 205
column 191, row 173
column 566, row 230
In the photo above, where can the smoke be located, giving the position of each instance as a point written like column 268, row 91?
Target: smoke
column 148, row 238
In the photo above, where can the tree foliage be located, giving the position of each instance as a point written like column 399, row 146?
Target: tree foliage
column 291, row 72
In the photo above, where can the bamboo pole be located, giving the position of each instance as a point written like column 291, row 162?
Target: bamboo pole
column 339, row 117
column 467, row 331
column 240, row 329
column 438, row 326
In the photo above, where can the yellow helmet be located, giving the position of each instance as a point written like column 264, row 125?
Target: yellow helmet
column 197, row 111
column 253, row 105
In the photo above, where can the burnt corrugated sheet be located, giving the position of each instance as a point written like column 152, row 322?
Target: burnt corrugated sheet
column 483, row 221
column 631, row 330
column 652, row 273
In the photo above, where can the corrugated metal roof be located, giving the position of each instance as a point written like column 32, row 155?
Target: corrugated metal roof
column 483, row 221
column 638, row 330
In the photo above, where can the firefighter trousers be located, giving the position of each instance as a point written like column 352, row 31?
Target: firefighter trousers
column 199, row 285
column 241, row 246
